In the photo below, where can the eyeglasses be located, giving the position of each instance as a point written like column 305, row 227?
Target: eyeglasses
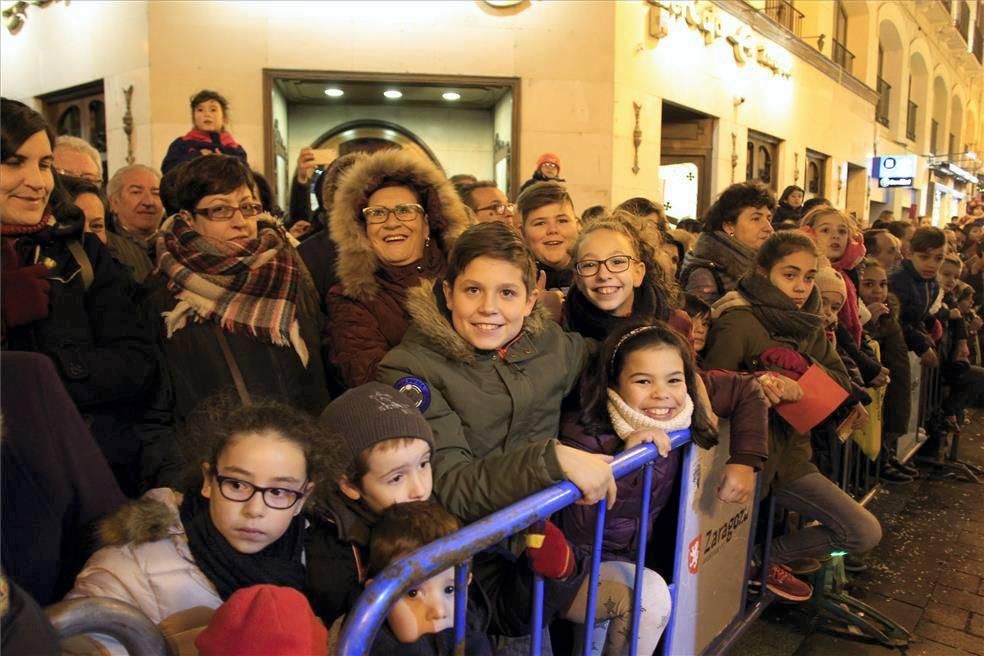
column 88, row 177
column 226, row 212
column 614, row 264
column 499, row 207
column 276, row 498
column 406, row 212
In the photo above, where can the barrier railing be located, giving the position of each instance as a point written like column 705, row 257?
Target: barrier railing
column 455, row 550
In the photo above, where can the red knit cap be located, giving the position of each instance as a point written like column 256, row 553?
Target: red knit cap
column 264, row 619
column 548, row 157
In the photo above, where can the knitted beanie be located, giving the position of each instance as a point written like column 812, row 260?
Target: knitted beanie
column 829, row 280
column 264, row 619
column 372, row 413
column 548, row 157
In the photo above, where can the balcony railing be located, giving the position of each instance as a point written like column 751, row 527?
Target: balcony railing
column 884, row 100
column 911, row 117
column 962, row 21
column 842, row 56
column 934, row 134
column 784, row 13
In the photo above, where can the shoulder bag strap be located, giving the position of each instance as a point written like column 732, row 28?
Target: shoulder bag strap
column 237, row 375
column 85, row 265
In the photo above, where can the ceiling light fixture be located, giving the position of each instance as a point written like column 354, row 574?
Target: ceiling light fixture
column 393, row 94
column 451, row 95
column 334, row 93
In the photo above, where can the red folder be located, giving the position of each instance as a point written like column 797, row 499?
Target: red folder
column 821, row 396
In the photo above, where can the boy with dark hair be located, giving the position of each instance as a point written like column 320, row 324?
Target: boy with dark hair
column 422, row 621
column 550, row 226
column 915, row 285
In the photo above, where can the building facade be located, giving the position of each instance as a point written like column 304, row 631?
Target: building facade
column 669, row 99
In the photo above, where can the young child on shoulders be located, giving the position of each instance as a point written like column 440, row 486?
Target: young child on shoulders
column 385, row 459
column 239, row 525
column 914, row 283
column 208, row 136
column 422, row 621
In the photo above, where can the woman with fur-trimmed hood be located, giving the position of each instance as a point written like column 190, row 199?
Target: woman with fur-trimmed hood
column 394, row 218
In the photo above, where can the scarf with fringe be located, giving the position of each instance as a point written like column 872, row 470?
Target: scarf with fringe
column 247, row 286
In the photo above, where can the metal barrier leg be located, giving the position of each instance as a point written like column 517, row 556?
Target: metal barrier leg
column 647, row 488
column 460, row 606
column 589, row 612
column 536, row 642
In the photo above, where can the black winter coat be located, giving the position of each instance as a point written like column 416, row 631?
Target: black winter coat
column 100, row 345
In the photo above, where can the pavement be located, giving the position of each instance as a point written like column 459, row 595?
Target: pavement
column 927, row 574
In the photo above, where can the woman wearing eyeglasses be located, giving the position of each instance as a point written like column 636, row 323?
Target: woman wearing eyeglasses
column 239, row 524
column 393, row 220
column 234, row 307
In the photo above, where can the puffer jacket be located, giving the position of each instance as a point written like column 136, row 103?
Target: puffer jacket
column 147, row 562
column 366, row 314
column 735, row 396
column 495, row 415
column 916, row 296
column 736, row 340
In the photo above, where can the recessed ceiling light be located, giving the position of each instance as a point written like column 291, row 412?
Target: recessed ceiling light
column 393, row 93
column 334, row 93
column 451, row 95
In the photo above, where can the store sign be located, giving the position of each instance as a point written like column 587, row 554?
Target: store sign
column 895, row 170
column 745, row 46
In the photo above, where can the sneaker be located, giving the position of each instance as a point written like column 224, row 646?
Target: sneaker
column 804, row 566
column 893, row 475
column 904, row 467
column 854, row 564
column 783, row 584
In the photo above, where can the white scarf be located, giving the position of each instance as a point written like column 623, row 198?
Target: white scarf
column 626, row 419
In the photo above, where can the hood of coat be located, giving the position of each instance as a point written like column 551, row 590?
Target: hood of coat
column 446, row 214
column 137, row 522
column 429, row 314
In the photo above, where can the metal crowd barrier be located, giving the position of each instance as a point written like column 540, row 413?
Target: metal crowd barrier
column 372, row 608
column 109, row 617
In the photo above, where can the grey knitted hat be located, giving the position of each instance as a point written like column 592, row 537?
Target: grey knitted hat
column 372, row 413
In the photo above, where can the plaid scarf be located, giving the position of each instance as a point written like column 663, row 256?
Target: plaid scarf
column 249, row 286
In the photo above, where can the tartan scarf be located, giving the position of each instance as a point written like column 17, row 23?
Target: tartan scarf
column 251, row 286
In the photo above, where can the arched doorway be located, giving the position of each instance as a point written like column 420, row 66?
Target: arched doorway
column 369, row 136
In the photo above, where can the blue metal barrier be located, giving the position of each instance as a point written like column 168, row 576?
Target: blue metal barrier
column 372, row 608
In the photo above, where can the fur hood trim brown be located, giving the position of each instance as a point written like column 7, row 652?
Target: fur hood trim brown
column 137, row 522
column 446, row 214
column 430, row 319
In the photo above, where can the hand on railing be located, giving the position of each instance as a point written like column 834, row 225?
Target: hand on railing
column 591, row 473
column 657, row 437
column 737, row 484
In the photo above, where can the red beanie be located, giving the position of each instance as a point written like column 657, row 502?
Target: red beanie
column 264, row 619
column 548, row 157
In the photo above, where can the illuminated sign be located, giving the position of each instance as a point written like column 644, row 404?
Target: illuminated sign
column 708, row 22
column 894, row 170
column 962, row 173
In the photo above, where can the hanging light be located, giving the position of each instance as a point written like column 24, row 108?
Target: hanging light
column 393, row 94
column 332, row 92
column 451, row 95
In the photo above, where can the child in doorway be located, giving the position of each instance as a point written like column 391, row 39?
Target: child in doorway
column 422, row 621
column 772, row 322
column 208, row 136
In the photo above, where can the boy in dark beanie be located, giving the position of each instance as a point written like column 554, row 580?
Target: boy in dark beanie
column 387, row 445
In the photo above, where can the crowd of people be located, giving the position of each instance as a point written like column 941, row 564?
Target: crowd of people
column 216, row 410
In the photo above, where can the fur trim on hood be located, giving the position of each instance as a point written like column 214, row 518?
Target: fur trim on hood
column 429, row 314
column 446, row 214
column 139, row 521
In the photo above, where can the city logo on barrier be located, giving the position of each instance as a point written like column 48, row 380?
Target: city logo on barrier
column 693, row 555
column 717, row 538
